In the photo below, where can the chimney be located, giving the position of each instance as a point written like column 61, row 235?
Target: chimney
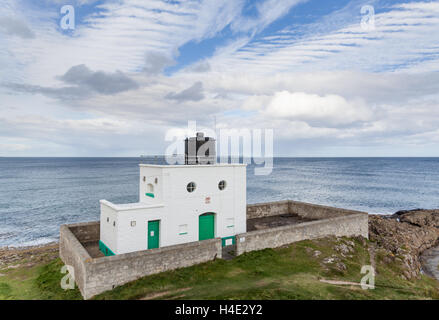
column 199, row 150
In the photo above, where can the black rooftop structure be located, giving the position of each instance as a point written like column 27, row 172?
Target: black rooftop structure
column 199, row 150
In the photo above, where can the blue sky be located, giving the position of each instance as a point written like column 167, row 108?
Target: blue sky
column 132, row 71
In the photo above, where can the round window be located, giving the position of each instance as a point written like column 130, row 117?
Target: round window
column 222, row 185
column 191, row 187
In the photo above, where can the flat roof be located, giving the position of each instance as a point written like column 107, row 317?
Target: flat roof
column 131, row 206
column 192, row 165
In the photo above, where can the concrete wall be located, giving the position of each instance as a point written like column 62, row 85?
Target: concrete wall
column 303, row 209
column 94, row 276
column 349, row 225
column 267, row 209
column 72, row 252
column 315, row 211
column 84, row 232
column 329, row 221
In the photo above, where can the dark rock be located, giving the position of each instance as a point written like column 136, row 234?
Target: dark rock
column 416, row 231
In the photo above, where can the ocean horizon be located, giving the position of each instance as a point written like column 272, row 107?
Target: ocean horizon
column 38, row 194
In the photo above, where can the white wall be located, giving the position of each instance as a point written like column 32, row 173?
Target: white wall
column 174, row 206
column 136, row 238
column 229, row 203
column 108, row 230
column 151, row 176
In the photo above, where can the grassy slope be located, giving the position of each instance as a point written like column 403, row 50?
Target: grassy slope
column 292, row 272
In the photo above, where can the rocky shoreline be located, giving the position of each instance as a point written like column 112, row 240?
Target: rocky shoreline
column 28, row 256
column 406, row 236
column 410, row 238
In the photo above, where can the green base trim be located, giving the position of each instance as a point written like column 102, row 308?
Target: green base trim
column 105, row 250
column 226, row 238
column 149, row 195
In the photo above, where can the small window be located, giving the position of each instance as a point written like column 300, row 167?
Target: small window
column 182, row 229
column 150, row 190
column 114, row 223
column 222, row 185
column 133, row 223
column 108, row 219
column 191, row 186
column 156, row 180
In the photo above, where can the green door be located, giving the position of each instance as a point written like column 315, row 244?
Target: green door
column 206, row 226
column 153, row 234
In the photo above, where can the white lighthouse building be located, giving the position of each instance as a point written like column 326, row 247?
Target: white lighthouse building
column 178, row 204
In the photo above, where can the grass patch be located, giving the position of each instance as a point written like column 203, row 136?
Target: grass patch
column 291, row 272
column 40, row 282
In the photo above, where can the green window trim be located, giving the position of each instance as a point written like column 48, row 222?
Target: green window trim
column 226, row 238
column 231, row 226
column 182, row 233
column 148, row 194
column 105, row 250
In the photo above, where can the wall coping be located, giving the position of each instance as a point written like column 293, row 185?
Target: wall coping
column 303, row 203
column 154, row 252
column 80, row 224
column 327, row 207
column 268, row 203
column 80, row 250
column 85, row 256
column 130, row 206
column 299, row 225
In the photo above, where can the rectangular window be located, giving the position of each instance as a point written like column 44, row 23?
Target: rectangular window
column 133, row 223
column 230, row 223
column 182, row 229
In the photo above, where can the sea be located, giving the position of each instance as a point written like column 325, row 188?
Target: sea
column 37, row 195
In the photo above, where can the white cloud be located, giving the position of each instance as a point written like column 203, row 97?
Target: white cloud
column 335, row 86
column 6, row 147
column 15, row 27
column 327, row 110
column 404, row 38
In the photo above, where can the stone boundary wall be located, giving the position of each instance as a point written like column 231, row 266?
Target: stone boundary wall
column 85, row 232
column 316, row 211
column 73, row 253
column 303, row 209
column 328, row 221
column 94, row 276
column 267, row 209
